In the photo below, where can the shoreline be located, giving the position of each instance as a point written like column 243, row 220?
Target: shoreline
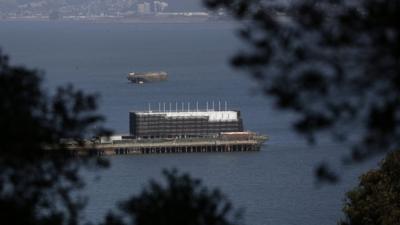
column 149, row 20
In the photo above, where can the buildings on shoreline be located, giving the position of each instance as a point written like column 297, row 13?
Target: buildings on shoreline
column 93, row 10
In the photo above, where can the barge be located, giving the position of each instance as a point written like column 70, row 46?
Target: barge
column 165, row 132
column 168, row 146
column 145, row 77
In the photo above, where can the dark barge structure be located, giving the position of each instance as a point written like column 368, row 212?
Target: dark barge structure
column 164, row 132
column 146, row 77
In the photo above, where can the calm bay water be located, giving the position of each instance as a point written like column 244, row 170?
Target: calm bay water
column 273, row 186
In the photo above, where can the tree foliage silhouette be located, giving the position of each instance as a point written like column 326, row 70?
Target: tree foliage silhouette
column 182, row 200
column 376, row 200
column 334, row 63
column 38, row 177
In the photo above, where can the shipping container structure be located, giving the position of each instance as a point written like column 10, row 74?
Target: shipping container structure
column 183, row 124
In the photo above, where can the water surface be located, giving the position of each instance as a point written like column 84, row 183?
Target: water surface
column 274, row 186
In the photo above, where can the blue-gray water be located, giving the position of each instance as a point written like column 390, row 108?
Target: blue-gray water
column 274, row 186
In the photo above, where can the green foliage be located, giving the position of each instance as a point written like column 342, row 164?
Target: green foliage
column 376, row 200
column 181, row 201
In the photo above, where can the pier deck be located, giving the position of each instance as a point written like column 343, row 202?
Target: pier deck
column 165, row 146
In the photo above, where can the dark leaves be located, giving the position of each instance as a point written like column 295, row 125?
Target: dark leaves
column 37, row 175
column 311, row 123
column 310, row 16
column 325, row 174
column 335, row 63
column 182, row 200
column 312, row 81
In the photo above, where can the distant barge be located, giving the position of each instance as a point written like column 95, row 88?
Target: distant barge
column 164, row 132
column 146, row 77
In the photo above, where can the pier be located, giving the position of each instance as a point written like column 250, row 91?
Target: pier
column 168, row 146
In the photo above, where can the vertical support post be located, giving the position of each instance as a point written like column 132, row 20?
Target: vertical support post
column 188, row 106
column 226, row 106
column 212, row 105
column 197, row 106
column 207, row 106
column 176, row 106
column 170, row 107
column 164, row 106
column 219, row 105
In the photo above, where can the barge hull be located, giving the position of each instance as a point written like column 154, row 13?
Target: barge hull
column 168, row 148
